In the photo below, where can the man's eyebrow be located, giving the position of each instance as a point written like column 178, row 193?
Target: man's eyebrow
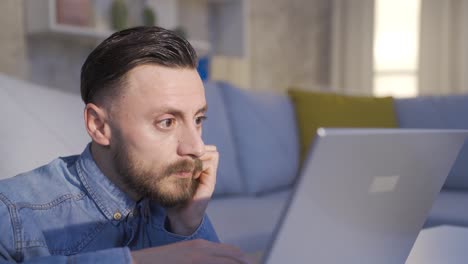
column 202, row 110
column 176, row 112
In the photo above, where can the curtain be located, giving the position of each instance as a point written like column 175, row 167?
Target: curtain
column 443, row 58
column 351, row 67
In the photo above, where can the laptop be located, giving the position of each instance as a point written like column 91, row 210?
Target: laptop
column 364, row 195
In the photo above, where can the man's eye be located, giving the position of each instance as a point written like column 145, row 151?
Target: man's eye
column 166, row 123
column 199, row 120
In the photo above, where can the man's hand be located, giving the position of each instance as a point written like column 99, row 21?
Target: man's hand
column 193, row 251
column 185, row 220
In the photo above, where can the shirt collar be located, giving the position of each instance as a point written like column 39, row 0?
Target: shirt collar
column 112, row 201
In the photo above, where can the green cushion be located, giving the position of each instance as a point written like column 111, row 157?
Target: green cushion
column 316, row 109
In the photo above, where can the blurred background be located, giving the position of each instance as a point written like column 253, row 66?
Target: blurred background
column 402, row 48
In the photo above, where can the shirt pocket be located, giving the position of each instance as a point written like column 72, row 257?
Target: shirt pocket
column 65, row 226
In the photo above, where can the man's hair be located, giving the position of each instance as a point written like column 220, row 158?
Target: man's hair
column 103, row 72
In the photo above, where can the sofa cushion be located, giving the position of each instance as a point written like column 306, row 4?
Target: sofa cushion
column 265, row 133
column 247, row 221
column 315, row 109
column 217, row 131
column 38, row 125
column 439, row 112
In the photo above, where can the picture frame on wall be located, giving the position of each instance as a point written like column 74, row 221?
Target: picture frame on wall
column 74, row 12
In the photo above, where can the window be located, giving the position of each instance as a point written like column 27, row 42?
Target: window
column 396, row 45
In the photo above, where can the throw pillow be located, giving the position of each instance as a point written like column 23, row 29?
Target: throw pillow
column 316, row 109
column 265, row 133
column 217, row 131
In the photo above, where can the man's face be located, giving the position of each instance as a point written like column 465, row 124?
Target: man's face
column 156, row 133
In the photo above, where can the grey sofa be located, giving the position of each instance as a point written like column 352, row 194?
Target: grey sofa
column 256, row 134
column 442, row 112
column 252, row 215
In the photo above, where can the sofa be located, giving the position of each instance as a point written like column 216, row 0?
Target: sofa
column 257, row 135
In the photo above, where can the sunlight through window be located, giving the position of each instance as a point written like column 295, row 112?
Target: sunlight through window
column 396, row 45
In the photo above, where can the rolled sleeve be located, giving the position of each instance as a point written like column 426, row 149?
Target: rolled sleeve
column 204, row 231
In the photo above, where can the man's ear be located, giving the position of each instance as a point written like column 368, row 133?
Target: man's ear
column 97, row 124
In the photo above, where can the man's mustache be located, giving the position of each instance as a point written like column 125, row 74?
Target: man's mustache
column 194, row 166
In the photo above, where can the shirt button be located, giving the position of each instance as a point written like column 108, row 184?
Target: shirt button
column 117, row 216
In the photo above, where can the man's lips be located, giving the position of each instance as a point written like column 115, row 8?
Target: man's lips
column 184, row 174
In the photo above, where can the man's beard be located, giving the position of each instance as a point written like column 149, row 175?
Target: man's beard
column 160, row 185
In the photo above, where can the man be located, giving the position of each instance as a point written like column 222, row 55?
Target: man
column 139, row 191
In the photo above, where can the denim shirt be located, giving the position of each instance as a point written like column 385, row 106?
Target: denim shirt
column 67, row 211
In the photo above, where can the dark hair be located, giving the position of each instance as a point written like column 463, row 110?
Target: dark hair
column 104, row 70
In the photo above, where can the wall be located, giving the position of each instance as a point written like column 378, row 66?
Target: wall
column 287, row 41
column 12, row 42
column 193, row 16
column 288, row 45
column 56, row 62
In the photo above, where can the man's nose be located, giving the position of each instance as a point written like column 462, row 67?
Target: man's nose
column 191, row 143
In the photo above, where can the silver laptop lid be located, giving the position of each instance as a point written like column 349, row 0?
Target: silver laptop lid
column 364, row 195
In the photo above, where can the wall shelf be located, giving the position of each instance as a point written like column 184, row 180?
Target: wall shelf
column 42, row 21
